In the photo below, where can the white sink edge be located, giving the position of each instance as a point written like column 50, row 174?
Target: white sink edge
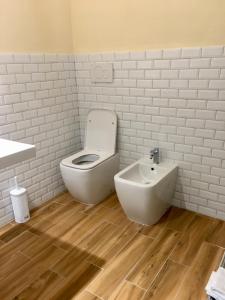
column 14, row 152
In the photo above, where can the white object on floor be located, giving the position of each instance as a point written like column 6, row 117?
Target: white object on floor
column 88, row 174
column 20, row 204
column 219, row 281
column 145, row 189
column 14, row 152
column 216, row 284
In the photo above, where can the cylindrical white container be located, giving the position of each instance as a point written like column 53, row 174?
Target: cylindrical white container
column 20, row 204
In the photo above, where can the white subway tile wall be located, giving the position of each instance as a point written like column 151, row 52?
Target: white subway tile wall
column 38, row 105
column 170, row 98
column 173, row 99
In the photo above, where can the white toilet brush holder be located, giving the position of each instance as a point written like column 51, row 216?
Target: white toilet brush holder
column 20, row 203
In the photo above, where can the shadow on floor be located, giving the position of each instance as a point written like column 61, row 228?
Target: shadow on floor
column 39, row 265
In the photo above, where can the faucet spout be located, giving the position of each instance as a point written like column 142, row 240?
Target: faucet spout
column 154, row 154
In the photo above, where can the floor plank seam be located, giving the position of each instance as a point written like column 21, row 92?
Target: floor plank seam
column 6, row 242
column 152, row 283
column 134, row 266
column 91, row 263
column 92, row 293
column 53, row 271
column 155, row 276
column 174, row 249
column 219, row 246
column 124, row 278
column 182, row 280
column 24, row 254
column 179, row 263
column 135, row 284
column 121, row 250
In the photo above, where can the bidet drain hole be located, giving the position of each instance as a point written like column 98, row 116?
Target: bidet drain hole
column 152, row 169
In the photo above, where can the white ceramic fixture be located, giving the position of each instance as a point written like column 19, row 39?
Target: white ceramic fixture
column 88, row 174
column 102, row 72
column 14, row 152
column 145, row 189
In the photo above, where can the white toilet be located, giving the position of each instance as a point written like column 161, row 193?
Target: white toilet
column 88, row 174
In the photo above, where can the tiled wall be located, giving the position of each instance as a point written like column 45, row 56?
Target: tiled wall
column 38, row 105
column 174, row 99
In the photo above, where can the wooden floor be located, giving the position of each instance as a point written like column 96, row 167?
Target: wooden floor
column 69, row 251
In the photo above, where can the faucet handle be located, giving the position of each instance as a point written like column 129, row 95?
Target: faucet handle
column 154, row 151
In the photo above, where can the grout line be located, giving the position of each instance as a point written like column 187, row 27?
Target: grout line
column 176, row 262
column 182, row 280
column 94, row 294
column 25, row 255
column 218, row 246
column 125, row 276
column 91, row 263
column 135, row 284
column 131, row 283
column 168, row 259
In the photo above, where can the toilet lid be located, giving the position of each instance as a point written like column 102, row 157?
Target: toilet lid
column 101, row 131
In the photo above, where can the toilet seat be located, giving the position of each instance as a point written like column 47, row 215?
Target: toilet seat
column 88, row 175
column 100, row 141
column 100, row 133
column 101, row 156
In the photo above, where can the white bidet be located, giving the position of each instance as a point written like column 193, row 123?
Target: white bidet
column 145, row 190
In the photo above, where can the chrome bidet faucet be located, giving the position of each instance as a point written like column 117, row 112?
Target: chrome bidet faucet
column 154, row 154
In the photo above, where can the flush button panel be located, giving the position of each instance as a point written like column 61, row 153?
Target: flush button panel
column 102, row 72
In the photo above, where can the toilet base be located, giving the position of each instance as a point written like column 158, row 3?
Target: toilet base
column 91, row 186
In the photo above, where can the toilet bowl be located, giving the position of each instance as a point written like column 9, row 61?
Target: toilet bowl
column 145, row 190
column 88, row 174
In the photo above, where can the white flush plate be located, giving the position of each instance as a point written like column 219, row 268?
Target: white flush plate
column 102, row 72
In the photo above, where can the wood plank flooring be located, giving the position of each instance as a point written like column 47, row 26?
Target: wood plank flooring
column 71, row 251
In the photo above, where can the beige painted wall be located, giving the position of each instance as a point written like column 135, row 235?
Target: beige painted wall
column 35, row 26
column 106, row 25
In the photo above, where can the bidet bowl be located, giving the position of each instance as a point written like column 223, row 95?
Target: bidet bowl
column 145, row 190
